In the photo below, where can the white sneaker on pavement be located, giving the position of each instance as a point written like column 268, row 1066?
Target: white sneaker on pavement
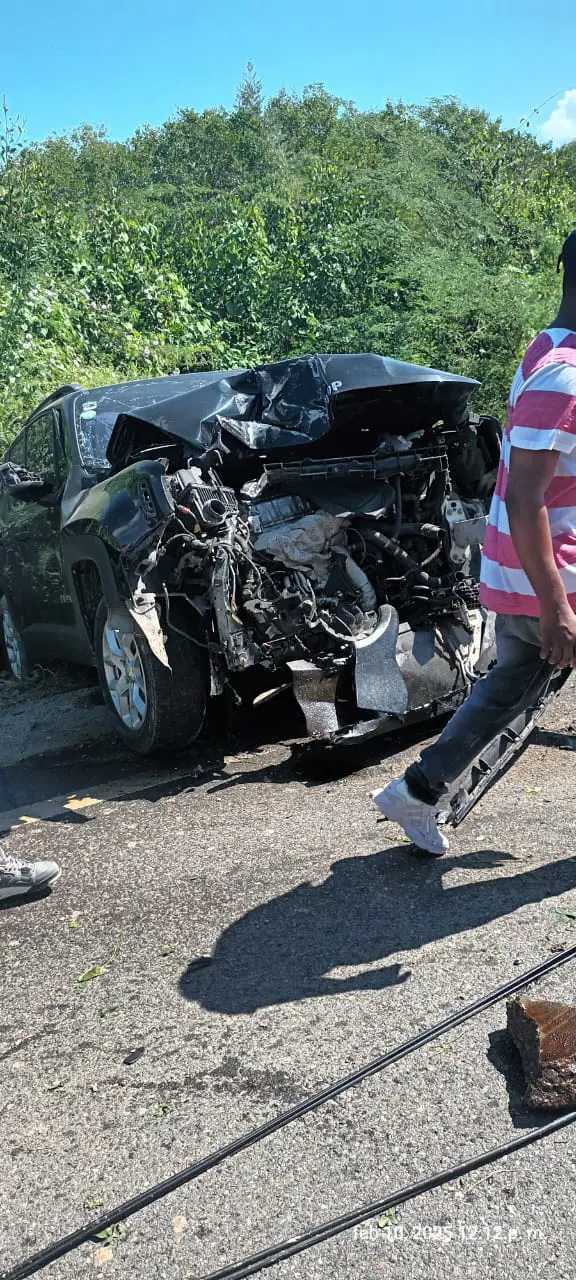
column 24, row 877
column 417, row 819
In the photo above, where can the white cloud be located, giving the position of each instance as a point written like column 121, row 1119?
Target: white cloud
column 561, row 126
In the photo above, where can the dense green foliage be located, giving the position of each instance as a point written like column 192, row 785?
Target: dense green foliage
column 225, row 238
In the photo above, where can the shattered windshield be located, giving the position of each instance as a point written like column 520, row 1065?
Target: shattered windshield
column 93, row 430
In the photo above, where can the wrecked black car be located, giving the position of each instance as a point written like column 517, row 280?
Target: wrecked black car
column 315, row 522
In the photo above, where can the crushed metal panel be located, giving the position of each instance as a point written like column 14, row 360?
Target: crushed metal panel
column 144, row 617
column 379, row 682
column 273, row 406
column 315, row 692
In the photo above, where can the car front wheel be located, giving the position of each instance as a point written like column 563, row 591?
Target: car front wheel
column 156, row 708
column 13, row 642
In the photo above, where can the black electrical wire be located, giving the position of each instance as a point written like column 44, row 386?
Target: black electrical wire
column 143, row 1199
column 326, row 1230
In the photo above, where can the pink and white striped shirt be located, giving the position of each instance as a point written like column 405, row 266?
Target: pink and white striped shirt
column 541, row 415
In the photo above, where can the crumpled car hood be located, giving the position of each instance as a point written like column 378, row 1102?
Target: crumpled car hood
column 284, row 405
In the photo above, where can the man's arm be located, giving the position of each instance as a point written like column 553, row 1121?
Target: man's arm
column 529, row 477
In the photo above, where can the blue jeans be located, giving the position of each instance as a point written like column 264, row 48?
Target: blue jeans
column 518, row 677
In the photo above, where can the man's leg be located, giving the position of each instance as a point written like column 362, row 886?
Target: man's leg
column 518, row 676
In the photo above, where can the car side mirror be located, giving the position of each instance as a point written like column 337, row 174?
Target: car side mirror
column 30, row 490
column 22, row 485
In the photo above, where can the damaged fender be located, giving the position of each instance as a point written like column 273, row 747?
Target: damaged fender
column 141, row 614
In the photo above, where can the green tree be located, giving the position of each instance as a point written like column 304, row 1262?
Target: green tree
column 228, row 237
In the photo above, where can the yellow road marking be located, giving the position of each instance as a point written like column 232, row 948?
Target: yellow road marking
column 81, row 802
column 74, row 803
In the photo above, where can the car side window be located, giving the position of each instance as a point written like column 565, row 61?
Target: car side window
column 16, row 452
column 40, row 457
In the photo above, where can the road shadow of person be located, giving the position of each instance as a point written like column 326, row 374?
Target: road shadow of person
column 26, row 899
column 367, row 910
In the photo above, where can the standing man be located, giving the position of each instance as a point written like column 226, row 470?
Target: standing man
column 528, row 573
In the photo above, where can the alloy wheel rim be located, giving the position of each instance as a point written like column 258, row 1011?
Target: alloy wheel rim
column 13, row 648
column 125, row 676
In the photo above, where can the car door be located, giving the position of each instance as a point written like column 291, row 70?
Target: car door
column 14, row 521
column 45, row 603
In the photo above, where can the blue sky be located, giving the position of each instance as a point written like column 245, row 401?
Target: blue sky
column 125, row 63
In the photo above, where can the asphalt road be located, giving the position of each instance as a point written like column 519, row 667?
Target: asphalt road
column 328, row 943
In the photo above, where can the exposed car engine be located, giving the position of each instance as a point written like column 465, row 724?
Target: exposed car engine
column 305, row 563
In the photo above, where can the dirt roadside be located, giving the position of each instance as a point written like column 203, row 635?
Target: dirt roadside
column 53, row 710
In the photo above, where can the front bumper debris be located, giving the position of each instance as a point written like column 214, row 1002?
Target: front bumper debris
column 502, row 751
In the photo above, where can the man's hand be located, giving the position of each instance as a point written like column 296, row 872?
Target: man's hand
column 558, row 633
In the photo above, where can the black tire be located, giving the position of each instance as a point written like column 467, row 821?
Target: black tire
column 176, row 698
column 21, row 670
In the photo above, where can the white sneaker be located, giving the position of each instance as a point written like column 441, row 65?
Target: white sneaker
column 24, row 877
column 418, row 820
